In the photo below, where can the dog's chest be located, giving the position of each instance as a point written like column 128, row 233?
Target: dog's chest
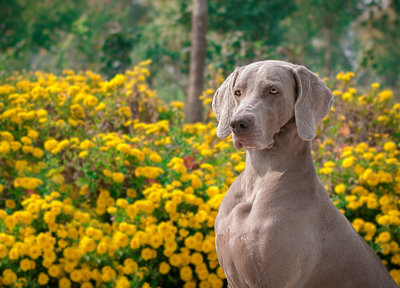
column 239, row 245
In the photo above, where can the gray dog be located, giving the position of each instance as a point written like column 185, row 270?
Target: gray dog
column 277, row 226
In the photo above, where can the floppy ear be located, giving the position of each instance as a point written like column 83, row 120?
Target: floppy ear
column 224, row 104
column 314, row 100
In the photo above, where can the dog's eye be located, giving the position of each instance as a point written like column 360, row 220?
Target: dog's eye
column 273, row 91
column 238, row 93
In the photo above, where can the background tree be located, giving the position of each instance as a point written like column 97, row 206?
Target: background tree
column 197, row 60
column 379, row 31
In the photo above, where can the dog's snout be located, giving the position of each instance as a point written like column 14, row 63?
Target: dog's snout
column 241, row 124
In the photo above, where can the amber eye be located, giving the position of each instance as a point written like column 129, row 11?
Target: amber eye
column 273, row 91
column 238, row 93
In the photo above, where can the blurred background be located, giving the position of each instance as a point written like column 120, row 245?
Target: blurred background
column 108, row 37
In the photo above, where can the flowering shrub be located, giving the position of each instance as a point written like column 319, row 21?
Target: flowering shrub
column 102, row 185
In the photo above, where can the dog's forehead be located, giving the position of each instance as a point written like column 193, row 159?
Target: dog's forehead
column 267, row 72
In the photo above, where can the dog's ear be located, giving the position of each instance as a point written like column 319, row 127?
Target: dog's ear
column 314, row 100
column 224, row 104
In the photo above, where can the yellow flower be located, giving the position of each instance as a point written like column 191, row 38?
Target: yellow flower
column 50, row 144
column 175, row 260
column 375, row 85
column 100, row 106
column 177, row 104
column 4, row 147
column 43, row 279
column 164, row 268
column 131, row 193
column 54, row 270
column 107, row 173
column 389, row 146
column 3, row 251
column 26, row 265
column 348, row 162
column 384, row 237
column 75, row 275
column 9, row 277
column 10, row 204
column 118, row 177
column 13, row 254
column 186, row 273
column 368, row 156
column 385, row 95
column 64, row 283
column 340, row 189
column 101, row 248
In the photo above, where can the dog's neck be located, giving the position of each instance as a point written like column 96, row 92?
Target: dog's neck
column 289, row 153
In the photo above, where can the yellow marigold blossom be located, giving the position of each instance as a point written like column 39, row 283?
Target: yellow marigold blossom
column 329, row 164
column 118, row 177
column 325, row 170
column 148, row 172
column 175, row 260
column 86, row 144
column 196, row 181
column 27, row 183
column 9, row 277
column 135, row 243
column 130, row 266
column 358, row 224
column 391, row 161
column 340, row 189
column 372, row 203
column 107, row 173
column 375, row 85
column 131, row 192
column 50, row 144
column 384, row 237
column 177, row 164
column 101, row 106
column 240, row 167
column 43, row 279
column 385, row 95
column 76, row 275
column 155, row 157
column 64, row 283
column 382, row 119
column 358, row 169
column 10, row 204
column 90, row 100
column 347, row 96
column 101, row 248
column 359, row 190
column 186, row 273
column 389, row 146
column 348, row 162
column 26, row 265
column 164, row 268
column 370, row 177
column 37, row 153
column 368, row 156
column 4, row 147
column 148, row 254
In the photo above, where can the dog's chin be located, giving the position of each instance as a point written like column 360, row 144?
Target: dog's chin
column 240, row 143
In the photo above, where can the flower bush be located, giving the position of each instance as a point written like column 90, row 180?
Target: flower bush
column 103, row 185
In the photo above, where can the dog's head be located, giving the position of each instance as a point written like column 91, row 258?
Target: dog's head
column 256, row 100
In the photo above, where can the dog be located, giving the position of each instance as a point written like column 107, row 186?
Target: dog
column 276, row 226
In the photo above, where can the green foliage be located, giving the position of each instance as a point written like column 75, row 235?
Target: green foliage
column 109, row 36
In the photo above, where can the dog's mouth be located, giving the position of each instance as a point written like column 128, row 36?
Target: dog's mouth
column 246, row 143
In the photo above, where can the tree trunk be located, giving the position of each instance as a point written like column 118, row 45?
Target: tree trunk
column 197, row 61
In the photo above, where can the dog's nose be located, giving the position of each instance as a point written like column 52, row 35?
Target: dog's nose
column 241, row 124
